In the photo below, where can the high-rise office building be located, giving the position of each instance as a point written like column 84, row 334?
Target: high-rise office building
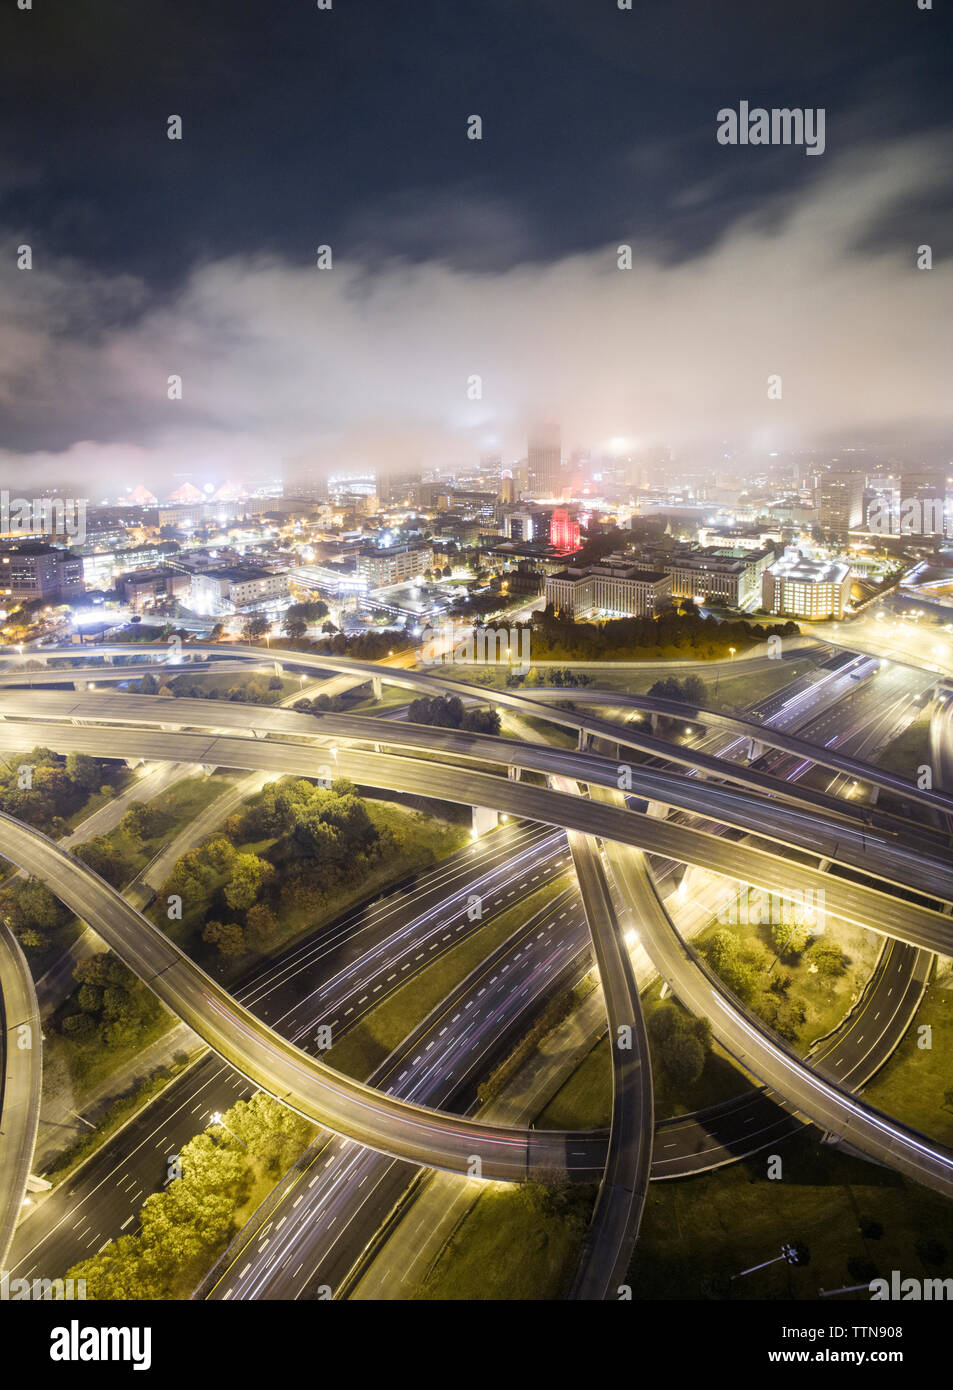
column 564, row 532
column 923, row 501
column 840, row 503
column 34, row 570
column 304, row 479
column 395, row 484
column 544, row 461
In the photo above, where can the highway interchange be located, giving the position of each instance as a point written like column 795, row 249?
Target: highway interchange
column 368, row 768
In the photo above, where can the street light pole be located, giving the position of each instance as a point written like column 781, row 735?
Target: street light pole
column 216, row 1119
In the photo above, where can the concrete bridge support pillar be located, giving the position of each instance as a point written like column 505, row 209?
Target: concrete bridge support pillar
column 687, row 881
column 513, row 773
column 483, row 820
column 755, row 750
column 584, row 742
column 377, row 688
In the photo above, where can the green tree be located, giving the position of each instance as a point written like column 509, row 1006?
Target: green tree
column 735, row 966
column 83, row 771
column 104, row 859
column 228, row 937
column 246, row 875
column 80, row 1026
column 219, row 854
column 828, row 957
column 143, row 821
column 790, row 938
column 261, row 924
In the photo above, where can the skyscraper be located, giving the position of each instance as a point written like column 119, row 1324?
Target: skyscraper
column 304, row 478
column 840, row 503
column 544, row 460
column 923, row 501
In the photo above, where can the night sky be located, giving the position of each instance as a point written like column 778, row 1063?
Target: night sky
column 451, row 257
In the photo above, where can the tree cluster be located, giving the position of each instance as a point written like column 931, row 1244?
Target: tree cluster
column 186, row 1227
column 680, row 1043
column 32, row 912
column 449, row 712
column 321, row 838
column 743, row 966
column 44, row 789
column 671, row 635
column 299, row 616
column 691, row 690
column 562, row 677
column 110, row 1004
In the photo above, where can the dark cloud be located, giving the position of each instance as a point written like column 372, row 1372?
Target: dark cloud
column 371, row 365
column 454, row 257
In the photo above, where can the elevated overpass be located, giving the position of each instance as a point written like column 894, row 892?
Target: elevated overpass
column 429, row 1137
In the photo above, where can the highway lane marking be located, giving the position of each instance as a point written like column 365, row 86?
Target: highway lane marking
column 126, row 1222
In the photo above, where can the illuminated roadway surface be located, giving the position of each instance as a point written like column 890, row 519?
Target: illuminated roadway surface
column 334, row 979
column 613, row 1230
column 587, row 725
column 447, row 1142
column 836, row 836
column 882, row 908
column 20, row 1081
column 498, row 784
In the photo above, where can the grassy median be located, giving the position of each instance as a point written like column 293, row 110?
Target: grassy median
column 365, row 1045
